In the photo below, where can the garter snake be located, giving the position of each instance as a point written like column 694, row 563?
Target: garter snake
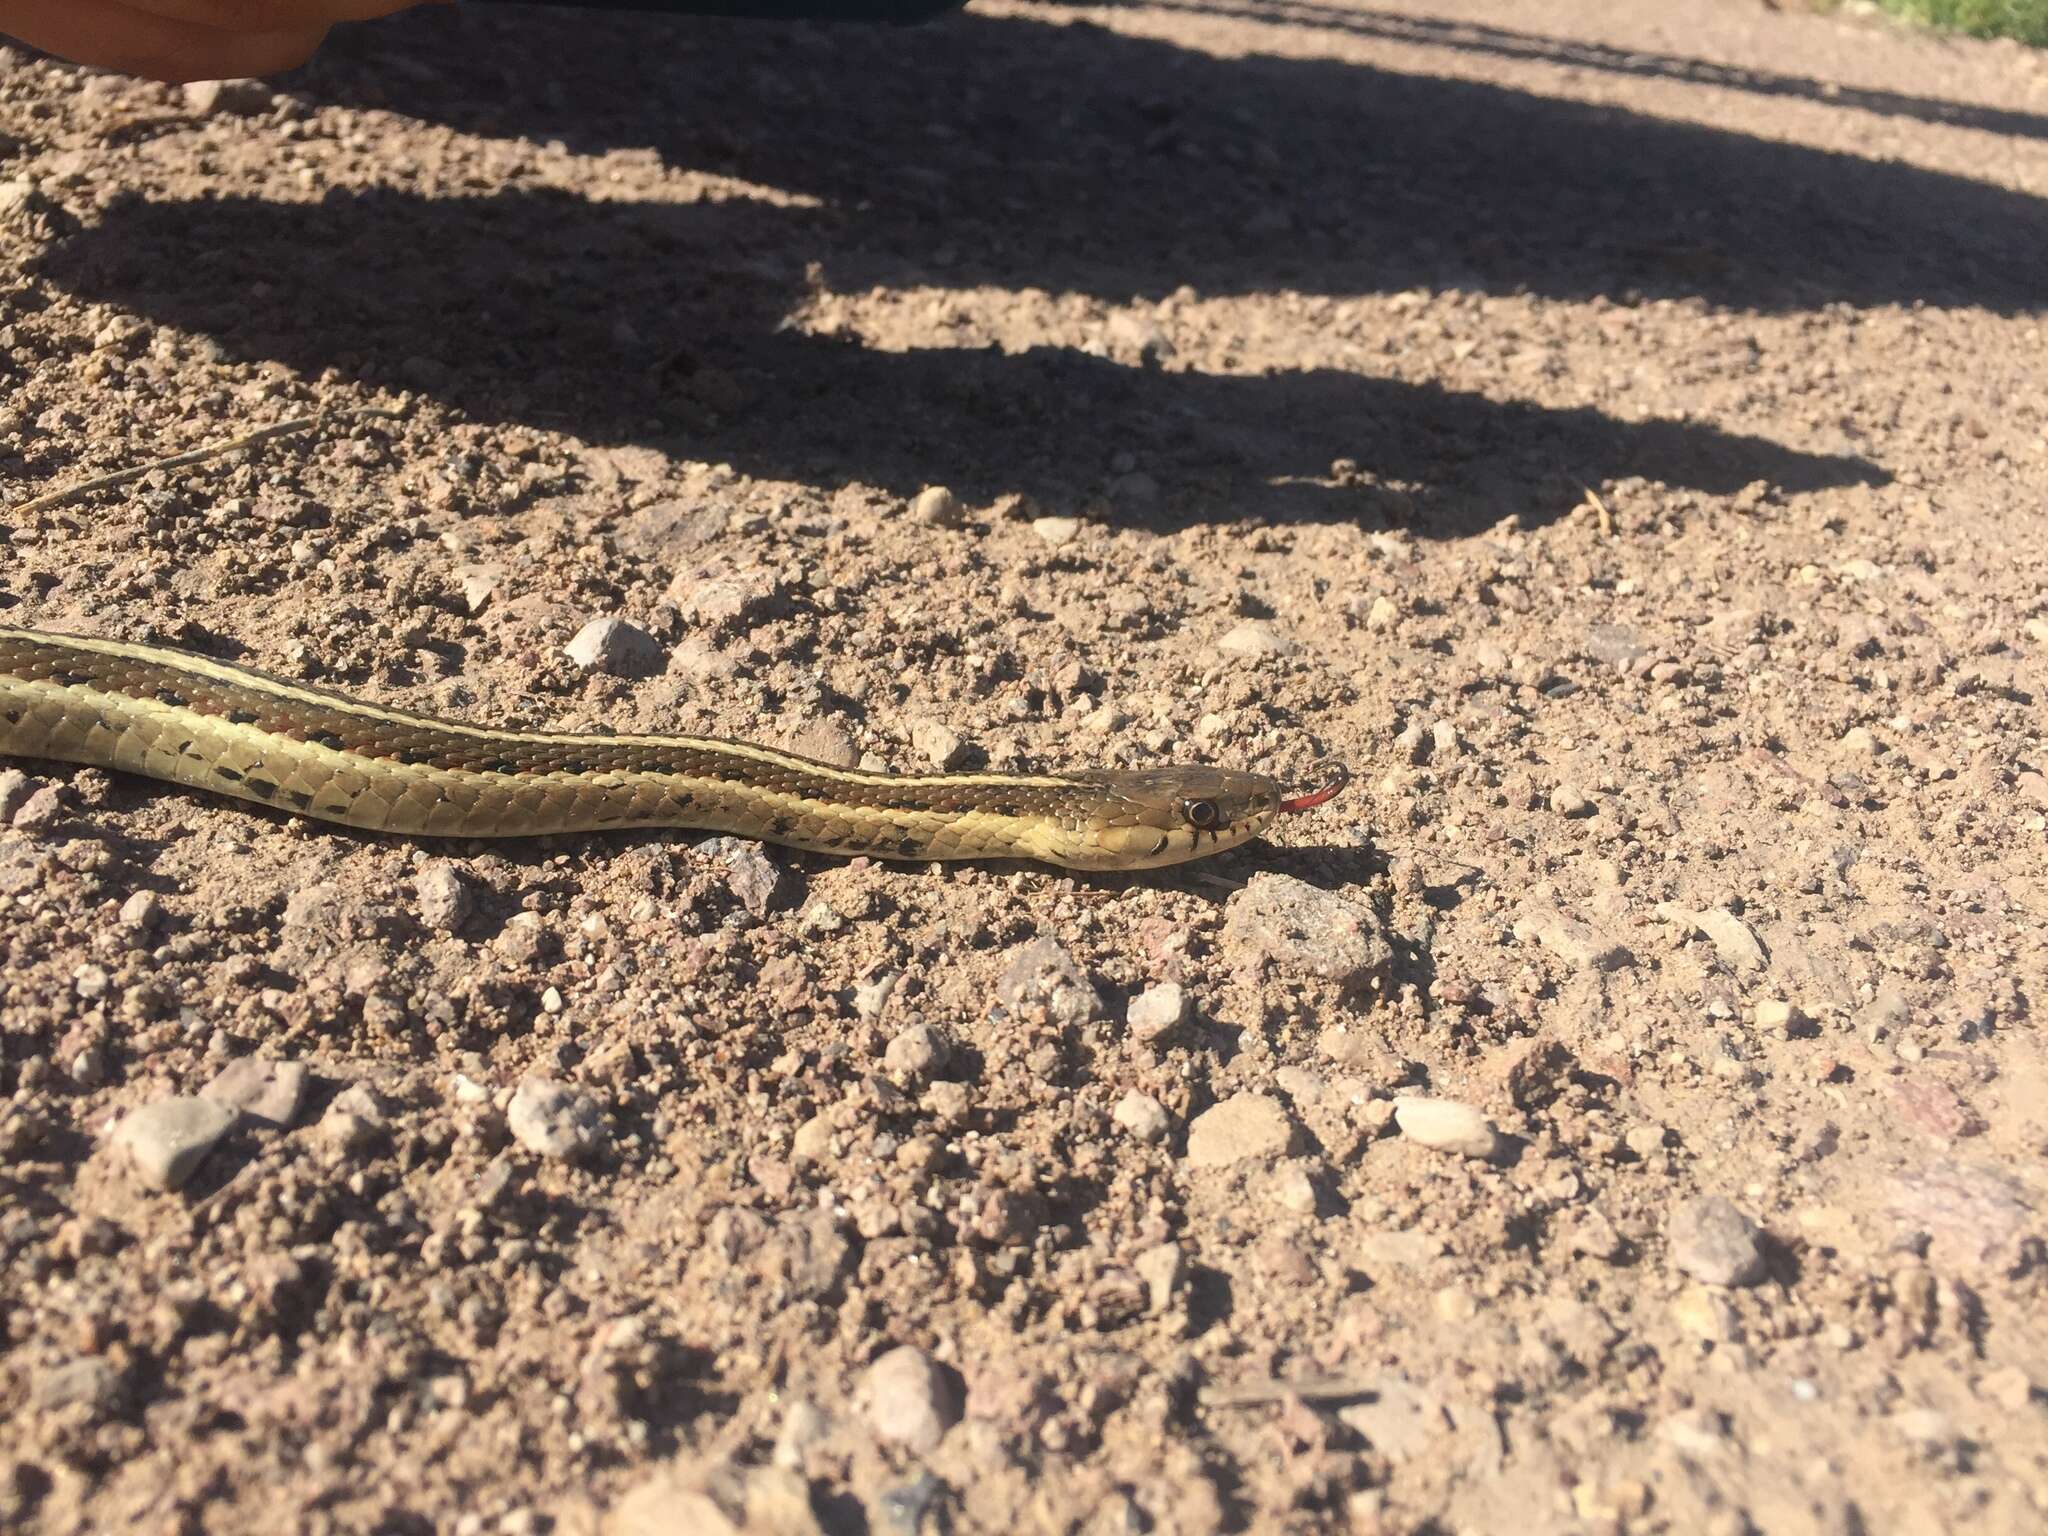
column 189, row 720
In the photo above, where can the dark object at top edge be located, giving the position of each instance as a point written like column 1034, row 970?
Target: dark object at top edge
column 897, row 12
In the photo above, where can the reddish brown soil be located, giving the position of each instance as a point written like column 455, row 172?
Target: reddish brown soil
column 1622, row 440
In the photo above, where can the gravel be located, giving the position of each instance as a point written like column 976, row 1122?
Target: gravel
column 1444, row 1125
column 1242, row 1127
column 1299, row 930
column 1156, row 1010
column 615, row 645
column 444, row 897
column 260, row 1088
column 1041, row 977
column 168, row 1140
column 1715, row 1243
column 555, row 1120
column 912, row 1400
column 1142, row 1115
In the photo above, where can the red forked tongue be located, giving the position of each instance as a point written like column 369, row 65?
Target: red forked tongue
column 1318, row 797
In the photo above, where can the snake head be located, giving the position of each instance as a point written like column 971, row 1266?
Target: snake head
column 1146, row 818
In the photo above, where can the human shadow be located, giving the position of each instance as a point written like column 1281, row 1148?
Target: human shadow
column 1015, row 152
column 655, row 323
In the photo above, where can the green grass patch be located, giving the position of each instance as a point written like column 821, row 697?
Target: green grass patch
column 2026, row 20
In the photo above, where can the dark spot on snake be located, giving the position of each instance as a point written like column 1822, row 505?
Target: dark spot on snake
column 907, row 846
column 12, row 717
column 221, row 770
column 327, row 739
column 261, row 787
column 498, row 767
column 240, row 717
column 299, row 798
column 576, row 766
column 1006, row 810
column 780, row 827
column 175, row 700
column 415, row 759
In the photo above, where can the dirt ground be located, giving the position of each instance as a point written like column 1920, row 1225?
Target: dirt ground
column 1621, row 440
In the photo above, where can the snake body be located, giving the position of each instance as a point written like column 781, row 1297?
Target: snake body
column 190, row 720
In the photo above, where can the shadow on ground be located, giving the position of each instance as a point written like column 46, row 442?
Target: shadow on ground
column 1010, row 153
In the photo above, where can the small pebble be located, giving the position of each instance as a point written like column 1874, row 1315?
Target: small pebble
column 1156, row 1010
column 1714, row 1242
column 1164, row 1270
column 1294, row 1190
column 169, row 1139
column 1569, row 801
column 613, row 645
column 43, row 807
column 941, row 745
column 804, row 1425
column 1057, row 531
column 1646, row 1141
column 1705, row 1314
column 1774, row 1013
column 812, row 1142
column 15, row 788
column 1455, row 1304
column 1243, row 1126
column 1301, row 929
column 1444, row 1125
column 1041, row 975
column 936, row 507
column 912, row 1401
column 90, row 1381
column 917, row 1052
column 231, row 98
column 262, row 1089
column 1141, row 1115
column 1579, row 944
column 142, row 911
column 749, row 873
column 555, row 1120
column 871, row 997
column 443, row 895
column 1255, row 642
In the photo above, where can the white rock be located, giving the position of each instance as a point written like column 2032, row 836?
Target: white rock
column 1255, row 641
column 1141, row 1115
column 555, row 1120
column 610, row 644
column 1444, row 1125
column 1057, row 531
column 1156, row 1010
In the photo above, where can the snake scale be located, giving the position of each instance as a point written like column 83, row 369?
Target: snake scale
column 189, row 720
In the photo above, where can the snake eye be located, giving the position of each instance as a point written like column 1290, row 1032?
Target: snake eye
column 1201, row 814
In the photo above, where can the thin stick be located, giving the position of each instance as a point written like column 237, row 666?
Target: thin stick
column 177, row 460
column 1313, row 1389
